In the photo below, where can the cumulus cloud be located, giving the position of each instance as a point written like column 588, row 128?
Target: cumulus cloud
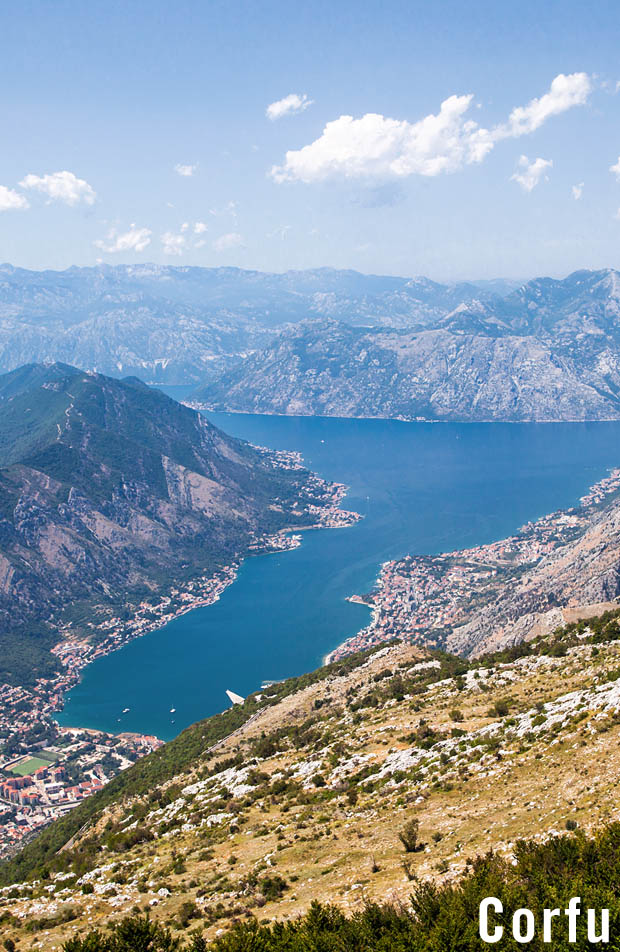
column 227, row 242
column 61, row 187
column 616, row 169
column 577, row 191
column 11, row 200
column 184, row 239
column 173, row 244
column 377, row 147
column 564, row 93
column 289, row 106
column 186, row 171
column 529, row 174
column 136, row 239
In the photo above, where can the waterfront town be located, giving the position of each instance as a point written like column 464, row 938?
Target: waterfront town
column 45, row 769
column 53, row 777
column 422, row 598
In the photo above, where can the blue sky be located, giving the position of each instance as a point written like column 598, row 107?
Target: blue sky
column 104, row 107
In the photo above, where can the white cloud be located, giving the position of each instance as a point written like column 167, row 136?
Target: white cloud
column 377, row 147
column 577, row 191
column 185, row 170
column 136, row 239
column 173, row 244
column 616, row 169
column 11, row 200
column 62, row 187
column 564, row 93
column 227, row 242
column 531, row 173
column 177, row 243
column 289, row 106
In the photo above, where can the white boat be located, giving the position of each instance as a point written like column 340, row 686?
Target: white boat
column 173, row 710
column 126, row 710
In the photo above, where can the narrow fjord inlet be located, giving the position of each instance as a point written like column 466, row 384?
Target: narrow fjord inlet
column 421, row 488
column 309, row 477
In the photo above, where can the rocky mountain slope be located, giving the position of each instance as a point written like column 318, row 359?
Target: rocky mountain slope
column 111, row 494
column 329, row 369
column 329, row 341
column 547, row 351
column 176, row 325
column 583, row 571
column 346, row 786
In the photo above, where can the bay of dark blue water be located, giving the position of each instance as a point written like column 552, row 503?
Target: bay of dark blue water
column 422, row 488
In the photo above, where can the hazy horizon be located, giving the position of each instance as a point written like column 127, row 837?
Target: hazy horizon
column 405, row 139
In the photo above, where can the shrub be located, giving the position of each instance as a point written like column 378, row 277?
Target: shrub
column 409, row 837
column 273, row 887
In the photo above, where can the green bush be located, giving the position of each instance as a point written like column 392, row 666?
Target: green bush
column 439, row 918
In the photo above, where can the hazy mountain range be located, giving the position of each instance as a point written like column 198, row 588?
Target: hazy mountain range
column 174, row 324
column 328, row 341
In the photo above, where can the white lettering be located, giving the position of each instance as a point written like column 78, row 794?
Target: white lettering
column 483, row 920
column 548, row 915
column 528, row 915
column 604, row 934
column 572, row 912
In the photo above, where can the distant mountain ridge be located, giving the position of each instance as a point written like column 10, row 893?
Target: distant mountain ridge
column 175, row 325
column 548, row 351
column 330, row 341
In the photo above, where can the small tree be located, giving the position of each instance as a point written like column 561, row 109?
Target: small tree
column 409, row 836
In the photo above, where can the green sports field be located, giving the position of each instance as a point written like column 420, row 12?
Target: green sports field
column 29, row 766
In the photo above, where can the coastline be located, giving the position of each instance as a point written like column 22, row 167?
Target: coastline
column 425, row 599
column 205, row 408
column 74, row 653
column 33, row 798
column 200, row 593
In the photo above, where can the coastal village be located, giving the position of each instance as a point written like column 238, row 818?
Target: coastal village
column 422, row 598
column 45, row 769
column 45, row 782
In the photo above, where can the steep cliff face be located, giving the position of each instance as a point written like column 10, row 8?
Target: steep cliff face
column 110, row 491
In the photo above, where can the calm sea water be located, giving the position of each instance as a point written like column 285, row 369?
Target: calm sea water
column 422, row 488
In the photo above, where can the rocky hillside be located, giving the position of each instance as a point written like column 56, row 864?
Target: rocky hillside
column 333, row 370
column 344, row 786
column 177, row 325
column 548, row 351
column 111, row 494
column 328, row 341
column 583, row 571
